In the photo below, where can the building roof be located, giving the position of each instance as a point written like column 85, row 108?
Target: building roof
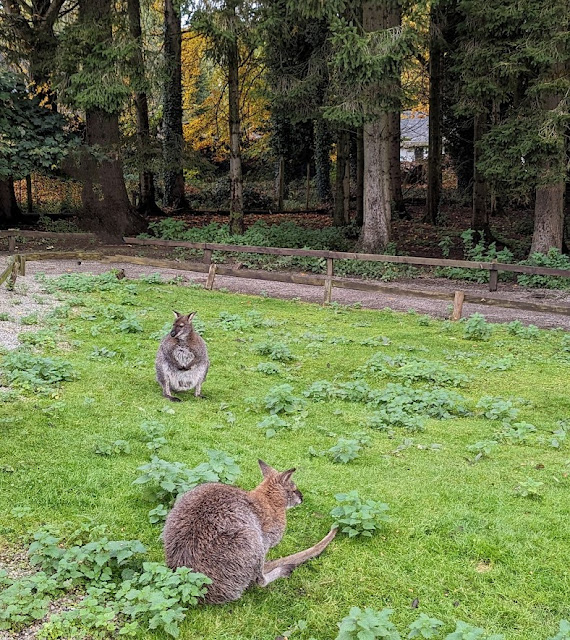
column 414, row 129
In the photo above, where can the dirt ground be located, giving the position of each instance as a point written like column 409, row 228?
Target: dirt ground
column 25, row 300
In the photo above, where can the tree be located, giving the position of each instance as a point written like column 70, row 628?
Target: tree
column 173, row 138
column 229, row 26
column 92, row 72
column 147, row 201
column 434, row 168
column 32, row 138
column 296, row 56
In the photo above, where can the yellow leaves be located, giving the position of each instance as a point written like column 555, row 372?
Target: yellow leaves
column 205, row 101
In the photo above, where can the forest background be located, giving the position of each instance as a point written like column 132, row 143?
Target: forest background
column 131, row 111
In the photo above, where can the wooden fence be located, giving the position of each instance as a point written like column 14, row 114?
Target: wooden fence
column 327, row 280
column 493, row 267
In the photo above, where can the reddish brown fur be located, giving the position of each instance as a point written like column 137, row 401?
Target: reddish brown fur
column 225, row 533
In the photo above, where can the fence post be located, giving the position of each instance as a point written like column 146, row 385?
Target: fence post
column 328, row 281
column 493, row 277
column 457, row 305
column 211, row 276
column 207, row 259
column 11, row 243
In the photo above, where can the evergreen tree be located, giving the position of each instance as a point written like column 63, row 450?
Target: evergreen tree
column 513, row 57
column 94, row 60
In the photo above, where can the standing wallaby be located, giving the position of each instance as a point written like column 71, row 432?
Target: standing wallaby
column 225, row 533
column 182, row 359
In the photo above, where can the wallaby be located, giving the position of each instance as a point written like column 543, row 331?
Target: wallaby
column 182, row 359
column 225, row 533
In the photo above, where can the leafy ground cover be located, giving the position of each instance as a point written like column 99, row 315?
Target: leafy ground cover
column 442, row 450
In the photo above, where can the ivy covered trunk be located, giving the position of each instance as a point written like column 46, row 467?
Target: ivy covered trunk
column 9, row 209
column 236, row 183
column 480, row 211
column 434, row 168
column 147, row 200
column 173, row 143
column 359, row 177
column 375, row 234
column 342, row 186
column 322, row 160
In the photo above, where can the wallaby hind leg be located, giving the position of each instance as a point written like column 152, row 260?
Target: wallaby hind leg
column 167, row 393
column 285, row 566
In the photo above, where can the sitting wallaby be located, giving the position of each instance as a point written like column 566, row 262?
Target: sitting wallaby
column 225, row 533
column 182, row 359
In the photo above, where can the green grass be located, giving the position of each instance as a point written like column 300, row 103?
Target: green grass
column 461, row 540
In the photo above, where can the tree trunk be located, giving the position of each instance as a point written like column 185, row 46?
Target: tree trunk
column 147, row 201
column 10, row 212
column 549, row 203
column 173, row 144
column 106, row 207
column 396, row 167
column 29, row 194
column 322, row 160
column 394, row 20
column 434, row 180
column 359, row 177
column 480, row 212
column 548, row 218
column 375, row 233
column 342, row 185
column 236, row 182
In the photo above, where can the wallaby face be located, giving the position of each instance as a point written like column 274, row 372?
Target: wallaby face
column 182, row 327
column 182, row 360
column 226, row 532
column 292, row 494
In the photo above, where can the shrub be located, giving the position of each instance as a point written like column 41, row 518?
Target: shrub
column 356, row 517
column 476, row 328
column 275, row 350
column 280, row 399
column 32, row 372
column 553, row 259
column 367, row 625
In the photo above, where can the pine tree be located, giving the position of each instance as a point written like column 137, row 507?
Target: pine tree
column 92, row 66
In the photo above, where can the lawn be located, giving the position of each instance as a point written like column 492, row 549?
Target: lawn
column 464, row 542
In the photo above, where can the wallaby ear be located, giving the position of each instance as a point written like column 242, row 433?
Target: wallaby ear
column 176, row 314
column 191, row 315
column 266, row 470
column 286, row 475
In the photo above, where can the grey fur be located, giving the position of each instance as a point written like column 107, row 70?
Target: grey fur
column 182, row 359
column 226, row 532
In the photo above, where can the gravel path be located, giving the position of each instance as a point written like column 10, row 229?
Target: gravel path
column 27, row 299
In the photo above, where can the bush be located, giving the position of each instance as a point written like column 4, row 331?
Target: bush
column 356, row 517
column 34, row 373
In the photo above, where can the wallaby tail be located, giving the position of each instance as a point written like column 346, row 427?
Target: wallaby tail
column 297, row 559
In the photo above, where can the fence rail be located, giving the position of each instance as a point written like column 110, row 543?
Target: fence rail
column 327, row 280
column 493, row 267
